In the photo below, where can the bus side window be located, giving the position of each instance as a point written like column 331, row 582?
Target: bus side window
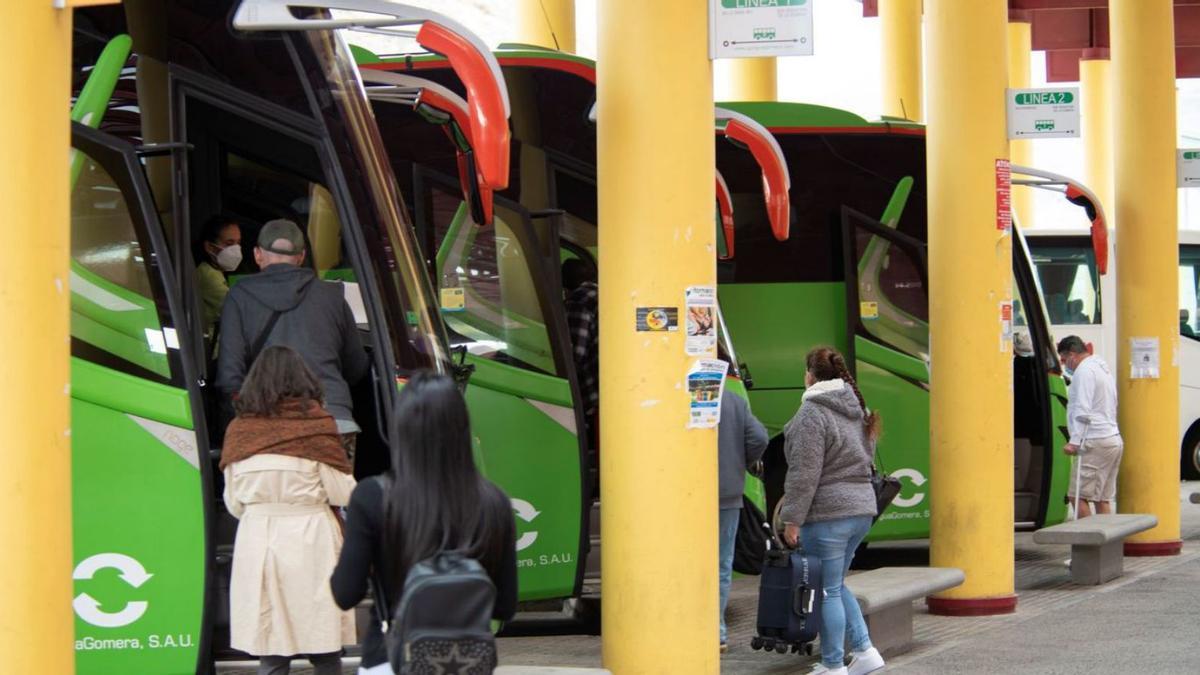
column 114, row 318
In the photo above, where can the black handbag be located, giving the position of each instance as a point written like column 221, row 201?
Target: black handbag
column 750, row 544
column 886, row 488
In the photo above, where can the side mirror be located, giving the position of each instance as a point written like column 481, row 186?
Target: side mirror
column 461, row 371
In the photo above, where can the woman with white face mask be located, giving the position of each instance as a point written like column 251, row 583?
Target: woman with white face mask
column 221, row 253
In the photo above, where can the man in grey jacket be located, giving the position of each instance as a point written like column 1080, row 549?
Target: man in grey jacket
column 741, row 440
column 286, row 304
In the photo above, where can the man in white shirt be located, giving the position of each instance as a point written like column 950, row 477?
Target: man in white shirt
column 1092, row 423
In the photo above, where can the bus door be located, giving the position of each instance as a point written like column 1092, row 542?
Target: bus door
column 503, row 311
column 887, row 310
column 139, row 445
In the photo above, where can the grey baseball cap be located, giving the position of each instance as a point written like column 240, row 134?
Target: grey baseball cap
column 281, row 229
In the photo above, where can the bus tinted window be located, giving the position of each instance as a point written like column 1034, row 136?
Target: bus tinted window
column 1189, row 291
column 114, row 318
column 1069, row 280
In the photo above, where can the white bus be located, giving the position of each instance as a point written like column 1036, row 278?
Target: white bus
column 1081, row 300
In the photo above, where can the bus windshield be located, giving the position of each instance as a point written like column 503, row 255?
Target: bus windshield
column 1069, row 279
column 402, row 257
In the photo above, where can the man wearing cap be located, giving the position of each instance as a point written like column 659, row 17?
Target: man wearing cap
column 285, row 304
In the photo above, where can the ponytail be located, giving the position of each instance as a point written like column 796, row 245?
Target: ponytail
column 825, row 363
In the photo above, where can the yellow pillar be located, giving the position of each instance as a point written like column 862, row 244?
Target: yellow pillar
column 1143, row 78
column 656, row 238
column 746, row 79
column 970, row 272
column 900, row 33
column 547, row 23
column 1095, row 84
column 36, row 624
column 1020, row 43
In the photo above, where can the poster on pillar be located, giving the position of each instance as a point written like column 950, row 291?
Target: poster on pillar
column 705, row 384
column 1051, row 112
column 1187, row 164
column 749, row 28
column 1144, row 358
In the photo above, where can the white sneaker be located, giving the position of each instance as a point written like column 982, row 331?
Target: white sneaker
column 862, row 663
column 822, row 669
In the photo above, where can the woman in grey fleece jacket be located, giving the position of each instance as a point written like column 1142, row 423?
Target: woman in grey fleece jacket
column 828, row 502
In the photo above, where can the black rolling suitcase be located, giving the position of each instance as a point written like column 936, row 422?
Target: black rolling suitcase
column 789, row 601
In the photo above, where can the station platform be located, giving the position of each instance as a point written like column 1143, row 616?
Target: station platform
column 1144, row 622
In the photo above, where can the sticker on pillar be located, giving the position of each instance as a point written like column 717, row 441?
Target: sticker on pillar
column 453, row 300
column 701, row 303
column 1144, row 358
column 705, row 383
column 657, row 319
column 1003, row 195
column 1187, row 165
column 1006, row 326
column 868, row 310
column 1051, row 112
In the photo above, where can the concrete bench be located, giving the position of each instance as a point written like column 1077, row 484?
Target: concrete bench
column 886, row 595
column 1194, row 498
column 1097, row 543
column 548, row 670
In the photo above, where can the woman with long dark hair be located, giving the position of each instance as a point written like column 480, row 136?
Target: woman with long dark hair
column 828, row 501
column 285, row 469
column 433, row 499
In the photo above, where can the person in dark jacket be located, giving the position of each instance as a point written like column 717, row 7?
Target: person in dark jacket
column 741, row 439
column 313, row 318
column 828, row 501
column 433, row 499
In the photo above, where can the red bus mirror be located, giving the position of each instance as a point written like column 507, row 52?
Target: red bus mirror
column 748, row 133
column 1077, row 194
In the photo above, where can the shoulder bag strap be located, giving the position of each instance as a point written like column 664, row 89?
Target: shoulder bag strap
column 261, row 340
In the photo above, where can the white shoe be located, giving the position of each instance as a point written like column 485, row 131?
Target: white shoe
column 865, row 662
column 822, row 669
column 1067, row 563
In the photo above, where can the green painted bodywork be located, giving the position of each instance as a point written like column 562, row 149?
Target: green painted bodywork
column 133, row 494
column 93, row 99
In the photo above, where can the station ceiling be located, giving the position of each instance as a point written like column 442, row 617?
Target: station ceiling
column 1070, row 29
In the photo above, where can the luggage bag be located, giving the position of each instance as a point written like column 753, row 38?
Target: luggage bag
column 789, row 602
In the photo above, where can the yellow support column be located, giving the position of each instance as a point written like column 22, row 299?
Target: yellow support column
column 1095, row 84
column 547, row 23
column 655, row 159
column 751, row 79
column 970, row 272
column 1020, row 43
column 1143, row 71
column 900, row 54
column 36, row 624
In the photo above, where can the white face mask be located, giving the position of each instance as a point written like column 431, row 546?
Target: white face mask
column 230, row 257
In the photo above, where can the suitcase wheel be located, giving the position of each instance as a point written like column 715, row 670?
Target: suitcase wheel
column 756, row 643
column 781, row 647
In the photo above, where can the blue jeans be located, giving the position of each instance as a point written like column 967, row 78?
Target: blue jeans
column 834, row 542
column 728, row 533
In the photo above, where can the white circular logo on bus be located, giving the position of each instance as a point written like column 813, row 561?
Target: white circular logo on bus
column 132, row 572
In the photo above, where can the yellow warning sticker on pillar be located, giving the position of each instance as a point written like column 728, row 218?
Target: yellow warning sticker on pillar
column 1006, row 326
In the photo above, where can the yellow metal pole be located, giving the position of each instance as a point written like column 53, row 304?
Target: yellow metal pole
column 547, row 23
column 1020, row 43
column 1095, row 83
column 746, row 79
column 970, row 276
column 36, row 625
column 1143, row 68
column 900, row 32
column 655, row 158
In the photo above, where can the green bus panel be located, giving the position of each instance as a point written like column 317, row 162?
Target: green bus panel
column 138, row 522
column 535, row 459
column 1056, row 510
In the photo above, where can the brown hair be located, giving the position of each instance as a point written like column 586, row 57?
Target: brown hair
column 825, row 363
column 278, row 374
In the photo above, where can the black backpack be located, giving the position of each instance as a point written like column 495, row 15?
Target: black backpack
column 443, row 620
column 750, row 544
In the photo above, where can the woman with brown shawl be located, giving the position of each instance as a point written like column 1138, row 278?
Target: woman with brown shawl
column 285, row 469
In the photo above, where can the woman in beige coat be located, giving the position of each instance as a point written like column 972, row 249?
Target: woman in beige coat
column 285, row 470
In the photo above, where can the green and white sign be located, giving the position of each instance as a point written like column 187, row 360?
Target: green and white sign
column 1187, row 163
column 746, row 28
column 1043, row 113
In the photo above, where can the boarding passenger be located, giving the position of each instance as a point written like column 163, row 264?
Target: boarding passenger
column 1185, row 326
column 828, row 501
column 741, row 440
column 1092, row 422
column 285, row 469
column 220, row 253
column 583, row 322
column 286, row 304
column 433, row 499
